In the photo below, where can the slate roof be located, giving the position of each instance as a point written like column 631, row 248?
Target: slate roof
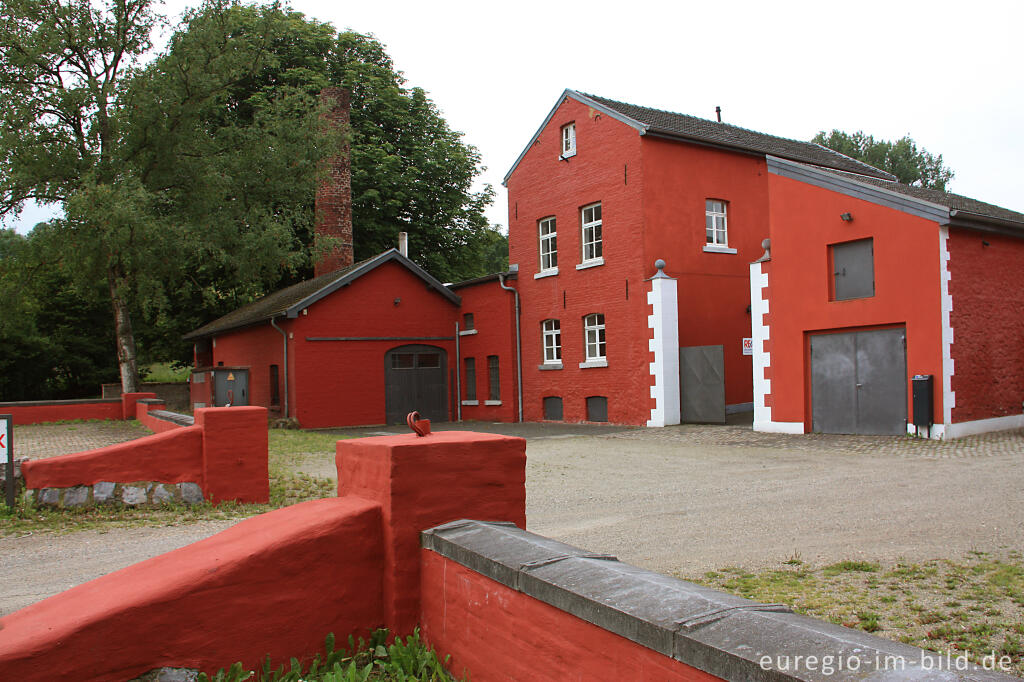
column 956, row 202
column 697, row 129
column 289, row 301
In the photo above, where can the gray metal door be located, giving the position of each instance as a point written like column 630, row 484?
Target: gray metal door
column 230, row 387
column 415, row 379
column 702, row 384
column 859, row 382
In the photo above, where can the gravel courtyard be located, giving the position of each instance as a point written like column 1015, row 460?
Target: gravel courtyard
column 679, row 500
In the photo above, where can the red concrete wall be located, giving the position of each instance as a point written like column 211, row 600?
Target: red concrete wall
column 494, row 319
column 172, row 457
column 606, row 168
column 152, row 423
column 234, row 453
column 424, row 482
column 493, row 632
column 804, row 221
column 714, row 288
column 276, row 583
column 59, row 410
column 987, row 287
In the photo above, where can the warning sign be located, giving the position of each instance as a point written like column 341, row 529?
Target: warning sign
column 748, row 346
column 231, row 376
column 5, row 423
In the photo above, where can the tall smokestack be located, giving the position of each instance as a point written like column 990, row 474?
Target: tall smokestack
column 334, row 194
column 403, row 243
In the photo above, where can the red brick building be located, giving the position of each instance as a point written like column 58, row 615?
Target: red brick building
column 631, row 297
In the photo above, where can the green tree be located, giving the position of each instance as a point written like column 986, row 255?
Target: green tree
column 902, row 158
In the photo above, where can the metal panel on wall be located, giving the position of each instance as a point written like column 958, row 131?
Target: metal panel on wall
column 702, row 384
column 859, row 382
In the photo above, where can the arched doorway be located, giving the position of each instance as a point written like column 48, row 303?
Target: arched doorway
column 416, row 378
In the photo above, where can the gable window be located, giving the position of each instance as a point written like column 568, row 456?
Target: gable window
column 593, row 340
column 715, row 222
column 552, row 334
column 568, row 140
column 853, row 269
column 590, row 218
column 548, row 245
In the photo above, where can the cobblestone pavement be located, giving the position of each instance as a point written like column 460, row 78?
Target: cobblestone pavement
column 37, row 441
column 983, row 445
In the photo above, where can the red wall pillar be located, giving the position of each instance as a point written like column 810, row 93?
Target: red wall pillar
column 234, row 453
column 424, row 482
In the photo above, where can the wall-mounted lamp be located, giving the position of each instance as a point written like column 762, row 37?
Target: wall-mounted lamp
column 985, row 243
column 397, row 300
column 846, row 217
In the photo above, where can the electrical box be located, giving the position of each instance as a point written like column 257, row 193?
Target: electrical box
column 923, row 390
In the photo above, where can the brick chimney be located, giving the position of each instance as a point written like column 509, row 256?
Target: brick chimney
column 334, row 195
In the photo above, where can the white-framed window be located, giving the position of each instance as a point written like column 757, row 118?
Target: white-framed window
column 593, row 337
column 568, row 140
column 590, row 219
column 546, row 229
column 552, row 334
column 715, row 222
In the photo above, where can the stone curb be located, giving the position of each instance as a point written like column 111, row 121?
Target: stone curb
column 135, row 494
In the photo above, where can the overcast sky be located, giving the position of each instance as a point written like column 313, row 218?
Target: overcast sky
column 949, row 74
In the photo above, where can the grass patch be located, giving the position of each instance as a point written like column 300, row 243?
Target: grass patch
column 408, row 660
column 974, row 606
column 165, row 373
column 289, row 452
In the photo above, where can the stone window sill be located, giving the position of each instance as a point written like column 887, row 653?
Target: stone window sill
column 467, row 332
column 549, row 365
column 593, row 363
column 590, row 263
column 714, row 248
column 492, row 402
column 546, row 273
column 470, row 402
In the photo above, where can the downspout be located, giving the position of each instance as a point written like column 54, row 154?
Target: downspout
column 458, row 375
column 284, row 335
column 519, row 350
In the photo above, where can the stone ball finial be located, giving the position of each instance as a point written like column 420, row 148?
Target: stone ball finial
column 660, row 264
column 766, row 244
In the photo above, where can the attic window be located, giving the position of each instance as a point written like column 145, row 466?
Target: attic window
column 568, row 140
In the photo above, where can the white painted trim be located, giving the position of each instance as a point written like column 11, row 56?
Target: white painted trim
column 593, row 363
column 468, row 332
column 592, row 263
column 759, row 333
column 551, row 272
column 664, row 343
column 971, row 428
column 779, row 427
column 715, row 248
column 948, row 396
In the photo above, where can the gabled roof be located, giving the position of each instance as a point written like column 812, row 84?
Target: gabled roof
column 290, row 301
column 656, row 122
column 944, row 207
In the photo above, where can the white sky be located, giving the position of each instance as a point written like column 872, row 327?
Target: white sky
column 949, row 74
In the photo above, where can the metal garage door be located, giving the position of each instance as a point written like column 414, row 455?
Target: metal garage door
column 702, row 384
column 416, row 379
column 859, row 382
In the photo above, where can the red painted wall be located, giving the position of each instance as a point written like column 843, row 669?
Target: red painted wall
column 987, row 287
column 493, row 311
column 172, row 457
column 152, row 423
column 804, row 221
column 424, row 482
column 493, row 632
column 41, row 412
column 606, row 168
column 255, row 348
column 235, row 451
column 714, row 288
column 276, row 583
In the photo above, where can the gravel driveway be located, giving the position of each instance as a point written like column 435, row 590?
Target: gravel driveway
column 680, row 500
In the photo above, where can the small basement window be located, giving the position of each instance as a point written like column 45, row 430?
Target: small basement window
column 553, row 408
column 853, row 269
column 597, row 408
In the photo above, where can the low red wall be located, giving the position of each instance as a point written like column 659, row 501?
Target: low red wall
column 155, row 425
column 42, row 412
column 276, row 583
column 225, row 452
column 424, row 482
column 495, row 633
column 173, row 457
